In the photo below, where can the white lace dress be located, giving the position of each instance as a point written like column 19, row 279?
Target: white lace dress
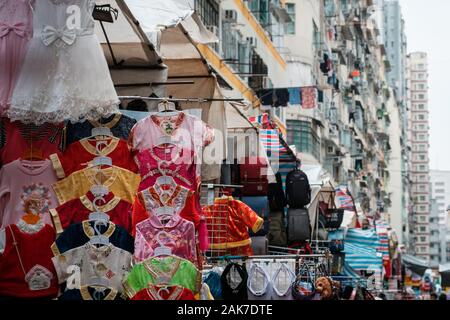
column 65, row 75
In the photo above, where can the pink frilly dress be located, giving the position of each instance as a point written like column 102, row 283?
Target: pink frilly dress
column 16, row 29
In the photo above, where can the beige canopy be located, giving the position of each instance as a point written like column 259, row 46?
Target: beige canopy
column 151, row 49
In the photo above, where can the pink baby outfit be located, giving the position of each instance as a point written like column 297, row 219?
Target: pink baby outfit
column 178, row 234
column 16, row 29
column 172, row 161
column 23, row 180
column 187, row 131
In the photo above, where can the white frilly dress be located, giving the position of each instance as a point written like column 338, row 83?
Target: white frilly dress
column 65, row 75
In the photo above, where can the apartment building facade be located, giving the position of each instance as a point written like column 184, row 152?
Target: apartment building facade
column 395, row 41
column 419, row 139
column 440, row 190
column 281, row 44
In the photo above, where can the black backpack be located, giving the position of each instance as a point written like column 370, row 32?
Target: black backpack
column 276, row 196
column 298, row 190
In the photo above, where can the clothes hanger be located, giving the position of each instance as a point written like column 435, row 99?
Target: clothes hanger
column 99, row 282
column 98, row 215
column 165, row 289
column 162, row 250
column 165, row 107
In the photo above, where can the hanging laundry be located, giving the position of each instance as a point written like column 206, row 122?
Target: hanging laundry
column 274, row 97
column 295, row 96
column 309, row 97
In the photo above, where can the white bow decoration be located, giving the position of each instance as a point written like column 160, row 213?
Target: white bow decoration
column 50, row 35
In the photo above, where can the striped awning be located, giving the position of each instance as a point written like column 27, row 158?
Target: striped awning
column 343, row 199
column 281, row 159
column 361, row 250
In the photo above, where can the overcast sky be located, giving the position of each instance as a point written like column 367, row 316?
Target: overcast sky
column 427, row 24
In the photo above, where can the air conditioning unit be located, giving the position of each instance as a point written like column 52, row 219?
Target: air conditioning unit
column 265, row 82
column 252, row 41
column 213, row 29
column 331, row 150
column 230, row 15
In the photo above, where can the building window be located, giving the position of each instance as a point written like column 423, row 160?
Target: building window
column 302, row 135
column 290, row 26
column 208, row 10
column 316, row 38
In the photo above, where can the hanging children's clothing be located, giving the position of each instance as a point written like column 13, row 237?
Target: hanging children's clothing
column 172, row 161
column 234, row 282
column 168, row 270
column 121, row 182
column 79, row 156
column 16, row 29
column 86, row 293
column 108, row 262
column 17, row 139
column 186, row 131
column 161, row 292
column 228, row 221
column 78, row 210
column 63, row 50
column 26, row 269
column 23, row 180
column 177, row 200
column 178, row 234
column 79, row 234
column 119, row 124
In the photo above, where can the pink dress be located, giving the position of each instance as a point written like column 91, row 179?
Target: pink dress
column 16, row 29
column 19, row 183
column 178, row 234
column 176, row 162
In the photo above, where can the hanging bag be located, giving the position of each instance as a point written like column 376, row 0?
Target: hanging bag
column 299, row 225
column 276, row 196
column 298, row 189
column 333, row 217
column 303, row 287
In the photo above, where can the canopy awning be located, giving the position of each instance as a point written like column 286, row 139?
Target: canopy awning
column 151, row 45
column 415, row 264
